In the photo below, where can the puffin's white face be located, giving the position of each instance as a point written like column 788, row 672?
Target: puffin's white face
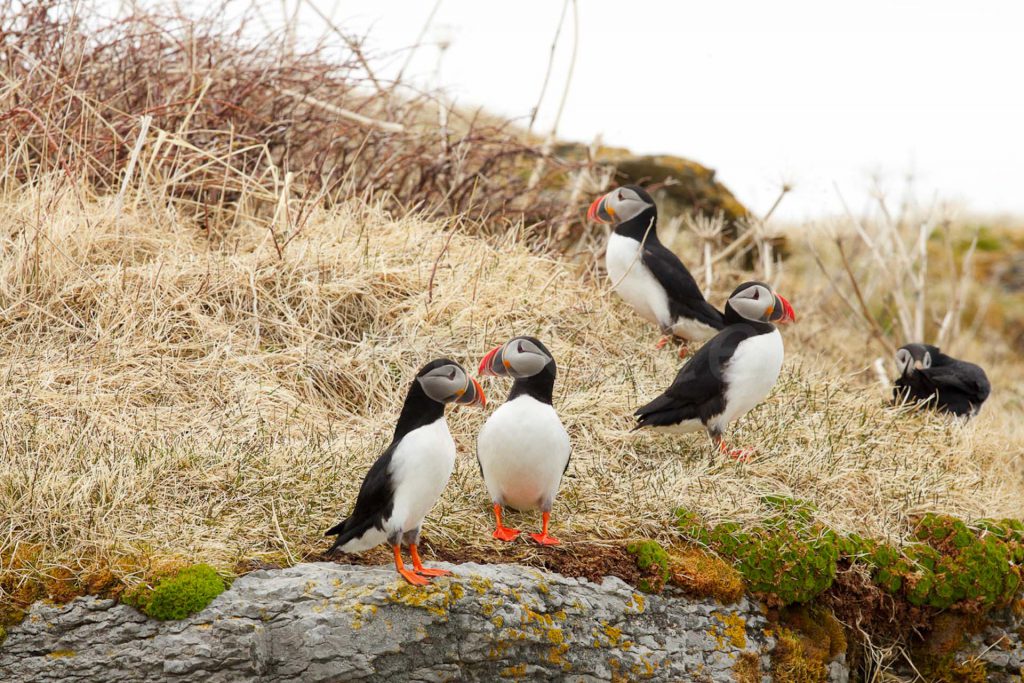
column 618, row 206
column 518, row 358
column 754, row 303
column 449, row 382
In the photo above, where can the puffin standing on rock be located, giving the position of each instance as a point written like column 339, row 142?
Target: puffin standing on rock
column 931, row 377
column 407, row 479
column 648, row 275
column 730, row 374
column 523, row 449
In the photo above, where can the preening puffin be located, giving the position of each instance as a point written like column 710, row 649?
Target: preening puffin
column 936, row 380
column 730, row 374
column 523, row 449
column 410, row 475
column 648, row 275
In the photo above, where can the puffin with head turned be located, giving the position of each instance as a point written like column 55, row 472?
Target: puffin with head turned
column 935, row 380
column 523, row 449
column 730, row 374
column 648, row 275
column 407, row 479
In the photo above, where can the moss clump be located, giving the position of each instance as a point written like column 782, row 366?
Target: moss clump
column 797, row 659
column 788, row 558
column 747, row 668
column 704, row 575
column 950, row 565
column 823, row 636
column 179, row 596
column 652, row 561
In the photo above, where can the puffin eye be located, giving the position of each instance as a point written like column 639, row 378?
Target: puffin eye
column 757, row 294
column 622, row 196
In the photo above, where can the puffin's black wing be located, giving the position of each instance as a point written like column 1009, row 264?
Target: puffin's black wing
column 962, row 386
column 913, row 389
column 698, row 391
column 373, row 504
column 685, row 299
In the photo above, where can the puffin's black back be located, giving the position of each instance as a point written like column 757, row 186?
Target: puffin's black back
column 685, row 300
column 376, row 494
column 540, row 386
column 950, row 385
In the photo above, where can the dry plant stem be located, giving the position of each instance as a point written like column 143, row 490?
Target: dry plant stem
column 636, row 257
column 550, row 66
column 865, row 312
column 538, row 169
column 345, row 113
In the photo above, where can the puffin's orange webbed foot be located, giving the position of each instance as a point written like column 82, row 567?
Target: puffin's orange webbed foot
column 543, row 538
column 417, row 564
column 406, row 574
column 661, row 342
column 683, row 351
column 737, row 454
column 413, row 578
column 502, row 532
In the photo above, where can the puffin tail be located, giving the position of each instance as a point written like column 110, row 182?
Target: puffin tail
column 346, row 530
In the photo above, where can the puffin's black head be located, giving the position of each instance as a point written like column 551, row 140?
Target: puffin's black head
column 519, row 357
column 445, row 381
column 620, row 205
column 913, row 357
column 756, row 301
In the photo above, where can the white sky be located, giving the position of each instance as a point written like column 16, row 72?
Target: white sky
column 814, row 92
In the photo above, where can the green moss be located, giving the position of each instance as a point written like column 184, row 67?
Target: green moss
column 652, row 560
column 179, row 596
column 788, row 558
column 950, row 565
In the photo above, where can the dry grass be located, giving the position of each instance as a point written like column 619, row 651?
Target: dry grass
column 165, row 398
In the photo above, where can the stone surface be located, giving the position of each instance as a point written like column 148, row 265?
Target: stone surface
column 328, row 622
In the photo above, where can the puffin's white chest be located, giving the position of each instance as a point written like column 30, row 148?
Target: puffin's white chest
column 634, row 282
column 751, row 373
column 523, row 450
column 420, row 468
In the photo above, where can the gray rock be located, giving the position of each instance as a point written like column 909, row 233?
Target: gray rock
column 328, row 622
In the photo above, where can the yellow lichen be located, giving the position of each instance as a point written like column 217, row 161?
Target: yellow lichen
column 733, row 630
column 56, row 654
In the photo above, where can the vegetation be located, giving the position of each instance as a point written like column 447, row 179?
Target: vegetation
column 652, row 560
column 179, row 596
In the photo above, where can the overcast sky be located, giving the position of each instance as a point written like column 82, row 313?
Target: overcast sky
column 814, row 93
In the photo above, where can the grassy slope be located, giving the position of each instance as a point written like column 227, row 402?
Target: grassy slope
column 164, row 400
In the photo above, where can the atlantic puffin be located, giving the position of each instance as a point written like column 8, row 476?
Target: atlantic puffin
column 730, row 374
column 523, row 449
column 936, row 380
column 648, row 275
column 408, row 478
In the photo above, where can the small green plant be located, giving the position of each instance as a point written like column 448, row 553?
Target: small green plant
column 950, row 565
column 652, row 560
column 179, row 596
column 788, row 558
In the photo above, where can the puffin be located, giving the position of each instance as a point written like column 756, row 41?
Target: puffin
column 407, row 479
column 934, row 379
column 729, row 375
column 523, row 450
column 648, row 275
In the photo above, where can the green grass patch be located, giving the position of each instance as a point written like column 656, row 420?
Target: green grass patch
column 652, row 561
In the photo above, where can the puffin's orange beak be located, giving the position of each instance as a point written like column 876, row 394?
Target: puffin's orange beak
column 783, row 311
column 599, row 211
column 493, row 365
column 473, row 395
